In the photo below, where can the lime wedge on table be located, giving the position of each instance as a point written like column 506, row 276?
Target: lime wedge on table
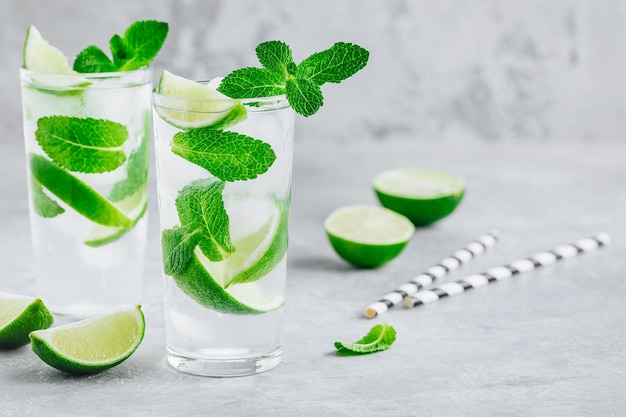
column 20, row 315
column 424, row 196
column 76, row 194
column 368, row 236
column 39, row 55
column 91, row 345
column 133, row 206
column 205, row 106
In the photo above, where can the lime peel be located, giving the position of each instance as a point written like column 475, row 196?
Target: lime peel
column 20, row 315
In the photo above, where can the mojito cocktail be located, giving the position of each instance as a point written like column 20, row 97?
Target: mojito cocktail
column 87, row 137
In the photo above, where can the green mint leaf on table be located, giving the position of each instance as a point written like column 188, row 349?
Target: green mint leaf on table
column 304, row 96
column 300, row 83
column 178, row 245
column 140, row 44
column 333, row 65
column 379, row 338
column 136, row 167
column 276, row 56
column 200, row 207
column 92, row 59
column 82, row 144
column 43, row 204
column 229, row 156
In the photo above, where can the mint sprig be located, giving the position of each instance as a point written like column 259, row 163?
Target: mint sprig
column 140, row 44
column 379, row 338
column 300, row 83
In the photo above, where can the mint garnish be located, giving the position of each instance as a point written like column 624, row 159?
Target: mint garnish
column 178, row 245
column 379, row 338
column 229, row 156
column 43, row 204
column 300, row 83
column 140, row 44
column 201, row 208
column 82, row 144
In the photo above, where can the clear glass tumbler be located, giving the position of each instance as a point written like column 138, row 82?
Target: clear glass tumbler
column 224, row 192
column 87, row 139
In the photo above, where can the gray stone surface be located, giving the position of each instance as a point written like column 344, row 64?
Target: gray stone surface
column 550, row 342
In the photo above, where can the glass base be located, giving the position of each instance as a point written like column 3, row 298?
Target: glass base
column 224, row 367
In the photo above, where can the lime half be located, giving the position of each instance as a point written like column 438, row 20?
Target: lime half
column 19, row 316
column 424, row 196
column 39, row 55
column 91, row 345
column 203, row 107
column 368, row 236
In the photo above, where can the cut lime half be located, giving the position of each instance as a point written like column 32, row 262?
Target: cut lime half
column 20, row 315
column 368, row 236
column 188, row 104
column 91, row 345
column 424, row 196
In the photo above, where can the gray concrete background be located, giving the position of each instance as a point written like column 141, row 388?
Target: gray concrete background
column 510, row 70
column 524, row 99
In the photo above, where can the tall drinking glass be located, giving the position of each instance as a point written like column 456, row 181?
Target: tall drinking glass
column 224, row 193
column 87, row 139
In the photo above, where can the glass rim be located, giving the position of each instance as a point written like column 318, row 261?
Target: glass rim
column 173, row 102
column 109, row 74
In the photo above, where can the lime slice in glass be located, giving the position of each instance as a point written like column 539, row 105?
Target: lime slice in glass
column 249, row 298
column 424, row 196
column 368, row 236
column 20, row 315
column 76, row 194
column 188, row 104
column 40, row 56
column 133, row 206
column 91, row 345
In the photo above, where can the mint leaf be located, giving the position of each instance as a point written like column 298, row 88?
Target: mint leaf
column 200, row 207
column 91, row 60
column 304, row 96
column 333, row 65
column 276, row 56
column 140, row 44
column 136, row 167
column 229, row 156
column 178, row 245
column 252, row 83
column 43, row 204
column 379, row 338
column 82, row 144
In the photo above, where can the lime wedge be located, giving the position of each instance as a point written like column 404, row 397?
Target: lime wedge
column 75, row 193
column 260, row 241
column 91, row 345
column 368, row 236
column 19, row 316
column 248, row 298
column 424, row 196
column 133, row 206
column 39, row 55
column 204, row 106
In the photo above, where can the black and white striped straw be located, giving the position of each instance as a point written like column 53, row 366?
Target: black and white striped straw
column 501, row 273
column 433, row 273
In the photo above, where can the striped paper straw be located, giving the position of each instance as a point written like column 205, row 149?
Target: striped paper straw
column 433, row 273
column 507, row 271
